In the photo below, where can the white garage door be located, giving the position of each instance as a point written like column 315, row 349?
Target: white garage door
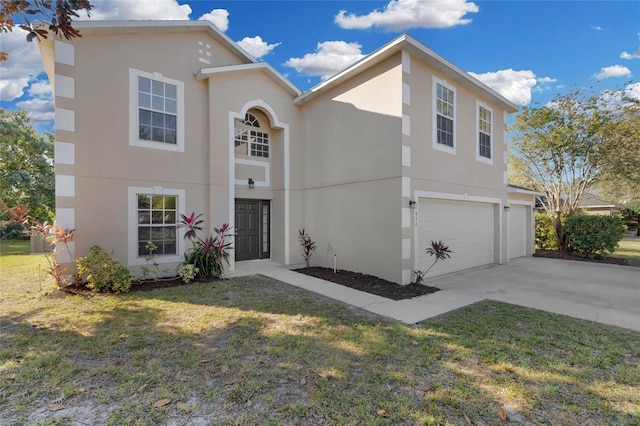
column 517, row 231
column 466, row 227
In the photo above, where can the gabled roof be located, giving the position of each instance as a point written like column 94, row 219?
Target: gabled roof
column 402, row 43
column 204, row 73
column 421, row 52
column 130, row 27
column 592, row 200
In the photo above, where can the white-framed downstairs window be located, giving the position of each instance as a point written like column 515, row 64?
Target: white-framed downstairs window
column 444, row 116
column 484, row 133
column 153, row 216
column 156, row 111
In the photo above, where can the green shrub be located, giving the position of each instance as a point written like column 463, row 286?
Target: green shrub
column 590, row 235
column 545, row 234
column 187, row 272
column 13, row 231
column 103, row 273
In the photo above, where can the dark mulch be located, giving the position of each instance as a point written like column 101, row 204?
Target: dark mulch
column 369, row 283
column 145, row 285
column 555, row 254
column 149, row 285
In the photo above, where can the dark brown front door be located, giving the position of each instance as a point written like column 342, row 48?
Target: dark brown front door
column 252, row 229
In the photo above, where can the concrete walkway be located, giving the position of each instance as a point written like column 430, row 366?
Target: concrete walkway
column 609, row 294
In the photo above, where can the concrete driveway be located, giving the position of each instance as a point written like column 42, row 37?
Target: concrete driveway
column 608, row 294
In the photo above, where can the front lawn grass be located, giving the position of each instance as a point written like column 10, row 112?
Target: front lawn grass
column 629, row 250
column 15, row 247
column 255, row 351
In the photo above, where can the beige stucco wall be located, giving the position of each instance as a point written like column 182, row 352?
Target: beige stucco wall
column 460, row 175
column 352, row 173
column 106, row 165
column 342, row 165
column 256, row 92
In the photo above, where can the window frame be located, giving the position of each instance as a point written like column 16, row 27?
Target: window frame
column 438, row 146
column 134, row 138
column 133, row 257
column 481, row 158
column 260, row 131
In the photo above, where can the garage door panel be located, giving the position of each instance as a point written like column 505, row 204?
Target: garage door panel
column 466, row 227
column 517, row 231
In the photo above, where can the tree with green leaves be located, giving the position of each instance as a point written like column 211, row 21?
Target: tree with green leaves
column 559, row 147
column 26, row 167
column 631, row 214
column 621, row 156
column 41, row 17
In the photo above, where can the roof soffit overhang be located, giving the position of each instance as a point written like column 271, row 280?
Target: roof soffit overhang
column 512, row 189
column 419, row 51
column 150, row 27
column 204, row 73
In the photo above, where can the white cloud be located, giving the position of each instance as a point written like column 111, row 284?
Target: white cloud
column 634, row 55
column 41, row 89
column 399, row 15
column 329, row 58
column 168, row 10
column 612, row 71
column 547, row 80
column 513, row 85
column 218, row 17
column 23, row 67
column 40, row 110
column 256, row 46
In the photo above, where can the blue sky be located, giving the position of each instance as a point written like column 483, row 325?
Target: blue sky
column 528, row 51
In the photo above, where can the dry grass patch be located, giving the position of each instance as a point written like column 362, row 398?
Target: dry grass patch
column 256, row 351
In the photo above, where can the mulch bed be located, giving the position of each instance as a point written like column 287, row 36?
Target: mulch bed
column 555, row 254
column 369, row 283
column 145, row 285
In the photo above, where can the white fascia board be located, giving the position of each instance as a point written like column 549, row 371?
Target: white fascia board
column 114, row 27
column 204, row 73
column 412, row 46
column 513, row 190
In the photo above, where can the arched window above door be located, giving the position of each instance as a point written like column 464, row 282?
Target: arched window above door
column 250, row 138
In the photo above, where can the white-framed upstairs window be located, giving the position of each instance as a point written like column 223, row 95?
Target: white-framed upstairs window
column 250, row 137
column 153, row 216
column 156, row 111
column 444, row 116
column 484, row 133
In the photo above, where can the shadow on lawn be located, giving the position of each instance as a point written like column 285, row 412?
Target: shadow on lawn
column 257, row 351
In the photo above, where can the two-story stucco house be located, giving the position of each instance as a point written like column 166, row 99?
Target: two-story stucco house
column 155, row 119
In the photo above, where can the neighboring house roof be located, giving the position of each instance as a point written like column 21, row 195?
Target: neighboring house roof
column 589, row 200
column 416, row 49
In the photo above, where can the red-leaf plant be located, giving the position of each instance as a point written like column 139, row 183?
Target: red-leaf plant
column 60, row 238
column 308, row 245
column 440, row 251
column 208, row 254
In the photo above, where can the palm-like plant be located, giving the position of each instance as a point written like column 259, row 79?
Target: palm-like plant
column 440, row 251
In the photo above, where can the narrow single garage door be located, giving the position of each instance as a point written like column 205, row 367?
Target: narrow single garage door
column 466, row 227
column 517, row 231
